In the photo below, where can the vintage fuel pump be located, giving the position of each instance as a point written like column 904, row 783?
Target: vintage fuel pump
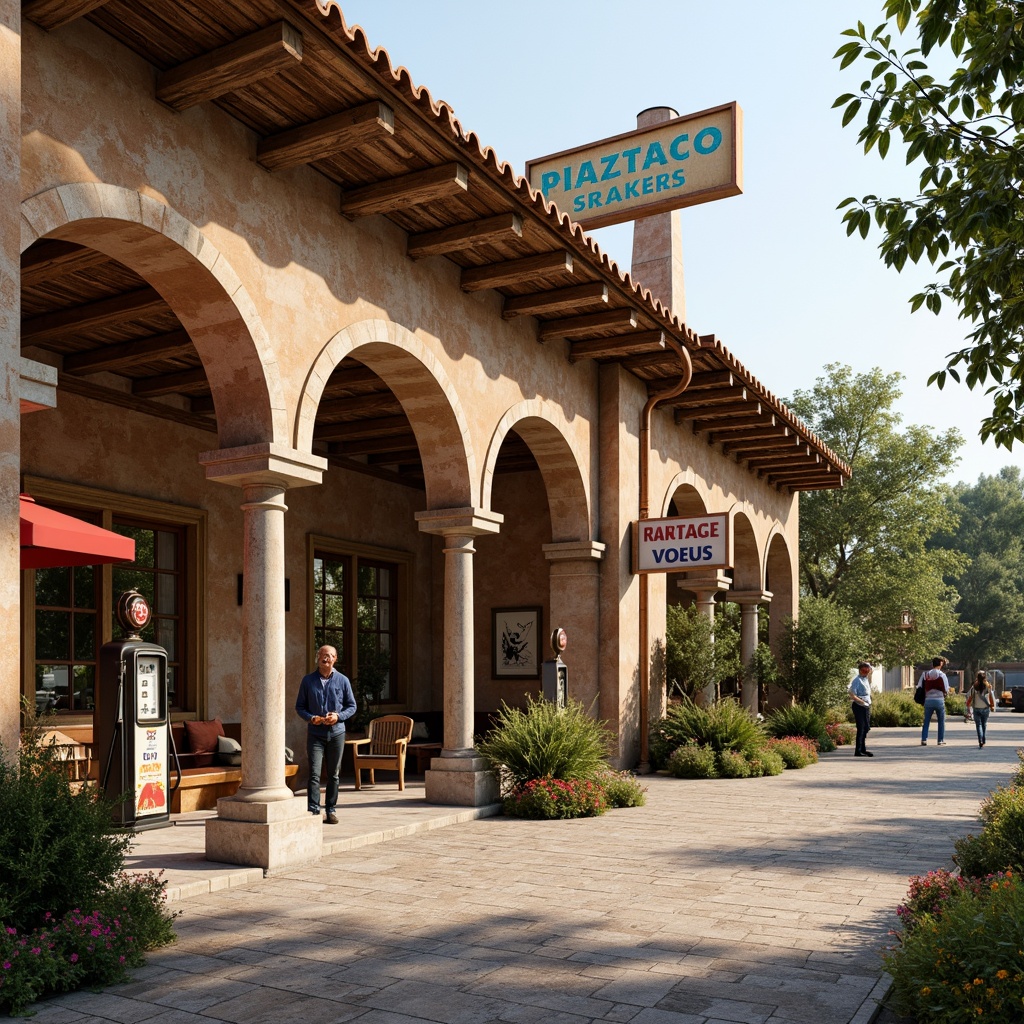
column 131, row 724
column 555, row 674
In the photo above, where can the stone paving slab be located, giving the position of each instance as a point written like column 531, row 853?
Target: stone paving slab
column 760, row 901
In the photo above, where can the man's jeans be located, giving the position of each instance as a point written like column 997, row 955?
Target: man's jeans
column 862, row 716
column 325, row 754
column 939, row 707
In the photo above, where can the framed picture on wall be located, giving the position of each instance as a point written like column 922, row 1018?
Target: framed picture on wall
column 516, row 643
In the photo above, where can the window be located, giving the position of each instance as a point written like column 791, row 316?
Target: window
column 68, row 613
column 357, row 608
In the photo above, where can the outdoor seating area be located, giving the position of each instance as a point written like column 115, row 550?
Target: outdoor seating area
column 384, row 746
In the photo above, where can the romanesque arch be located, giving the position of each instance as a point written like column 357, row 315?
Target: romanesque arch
column 688, row 492
column 195, row 279
column 746, row 555
column 427, row 395
column 543, row 428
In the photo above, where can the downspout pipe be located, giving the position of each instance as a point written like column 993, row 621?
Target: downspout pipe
column 686, row 374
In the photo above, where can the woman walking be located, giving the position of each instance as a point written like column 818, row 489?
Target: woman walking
column 981, row 701
column 936, row 686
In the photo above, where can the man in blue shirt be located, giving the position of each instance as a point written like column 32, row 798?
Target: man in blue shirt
column 325, row 701
column 860, row 694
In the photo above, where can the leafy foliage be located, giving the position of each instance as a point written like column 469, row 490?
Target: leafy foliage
column 556, row 798
column 796, row 720
column 545, row 741
column 721, row 725
column 967, row 132
column 865, row 545
column 895, row 708
column 622, row 789
column 1000, row 846
column 692, row 761
column 795, row 751
column 697, row 652
column 816, row 653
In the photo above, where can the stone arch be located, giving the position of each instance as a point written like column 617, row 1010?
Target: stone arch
column 746, row 555
column 780, row 577
column 544, row 429
column 196, row 280
column 690, row 499
column 427, row 395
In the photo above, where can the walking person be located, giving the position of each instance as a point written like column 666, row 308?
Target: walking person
column 936, row 686
column 860, row 695
column 981, row 701
column 325, row 700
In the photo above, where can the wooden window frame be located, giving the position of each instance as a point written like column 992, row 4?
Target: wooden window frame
column 403, row 563
column 111, row 504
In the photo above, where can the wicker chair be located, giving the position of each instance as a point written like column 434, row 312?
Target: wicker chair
column 387, row 739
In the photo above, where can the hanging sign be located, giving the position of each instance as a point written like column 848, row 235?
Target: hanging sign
column 681, row 543
column 688, row 160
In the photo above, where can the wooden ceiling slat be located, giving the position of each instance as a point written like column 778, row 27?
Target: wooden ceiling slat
column 352, row 429
column 705, row 401
column 620, row 345
column 555, row 301
column 768, row 462
column 725, row 432
column 359, row 126
column 79, row 319
column 589, row 323
column 442, row 241
column 377, row 445
column 51, row 14
column 779, row 442
column 718, row 424
column 231, row 67
column 168, row 383
column 717, row 410
column 495, row 275
column 408, row 190
column 98, row 393
column 709, row 379
column 379, row 403
column 52, row 259
column 128, row 354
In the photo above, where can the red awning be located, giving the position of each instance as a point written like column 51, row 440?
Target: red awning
column 51, row 538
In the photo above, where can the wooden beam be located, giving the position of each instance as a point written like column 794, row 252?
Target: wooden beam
column 745, row 433
column 801, row 476
column 400, row 193
column 777, row 442
column 556, row 300
column 830, row 485
column 620, row 345
column 589, row 323
column 383, row 402
column 498, row 275
column 102, row 313
column 351, row 429
column 125, row 354
column 409, row 457
column 720, row 409
column 350, row 129
column 345, row 377
column 702, row 401
column 377, row 445
column 88, row 389
column 168, row 383
column 51, row 259
column 269, row 51
column 710, row 379
column 646, row 360
column 500, row 228
column 764, row 462
column 51, row 14
column 718, row 424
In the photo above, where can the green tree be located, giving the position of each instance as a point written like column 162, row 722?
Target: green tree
column 990, row 532
column 817, row 652
column 865, row 546
column 696, row 653
column 967, row 131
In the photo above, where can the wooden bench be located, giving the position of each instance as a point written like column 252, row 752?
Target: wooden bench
column 201, row 786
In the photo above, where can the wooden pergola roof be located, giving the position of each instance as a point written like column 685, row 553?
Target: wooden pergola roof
column 314, row 93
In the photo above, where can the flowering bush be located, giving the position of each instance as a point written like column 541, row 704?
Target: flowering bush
column 1001, row 842
column 840, row 733
column 622, row 789
column 556, row 798
column 83, row 949
column 795, row 751
column 766, row 762
column 692, row 761
column 731, row 764
column 961, row 953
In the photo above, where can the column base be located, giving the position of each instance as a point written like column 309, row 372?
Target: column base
column 274, row 836
column 464, row 781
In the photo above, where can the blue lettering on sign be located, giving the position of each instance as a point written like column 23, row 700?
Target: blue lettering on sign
column 631, row 155
column 675, row 148
column 149, row 755
column 548, row 180
column 614, row 196
column 609, row 162
column 707, row 141
column 655, row 155
column 632, row 191
column 670, row 556
column 647, row 185
column 586, row 174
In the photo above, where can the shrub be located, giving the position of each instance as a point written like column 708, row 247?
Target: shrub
column 797, row 720
column 896, row 708
column 721, row 725
column 622, row 789
column 965, row 960
column 1001, row 842
column 766, row 762
column 956, row 704
column 1018, row 778
column 929, row 895
column 795, row 751
column 545, row 741
column 840, row 734
column 692, row 761
column 731, row 764
column 556, row 798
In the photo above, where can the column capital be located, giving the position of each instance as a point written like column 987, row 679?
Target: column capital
column 469, row 522
column 750, row 596
column 700, row 584
column 263, row 463
column 574, row 551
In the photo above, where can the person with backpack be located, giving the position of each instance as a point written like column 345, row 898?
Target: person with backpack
column 935, row 686
column 981, row 701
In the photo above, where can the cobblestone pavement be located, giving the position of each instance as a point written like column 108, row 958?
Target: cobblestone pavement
column 759, row 901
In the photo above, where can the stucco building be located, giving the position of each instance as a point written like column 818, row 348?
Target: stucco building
column 344, row 376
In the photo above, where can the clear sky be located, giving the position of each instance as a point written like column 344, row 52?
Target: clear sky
column 771, row 272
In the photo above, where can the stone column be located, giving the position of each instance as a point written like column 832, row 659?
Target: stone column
column 704, row 590
column 749, row 600
column 459, row 775
column 10, row 371
column 574, row 581
column 263, row 825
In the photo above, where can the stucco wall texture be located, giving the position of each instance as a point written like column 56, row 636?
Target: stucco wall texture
column 275, row 287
